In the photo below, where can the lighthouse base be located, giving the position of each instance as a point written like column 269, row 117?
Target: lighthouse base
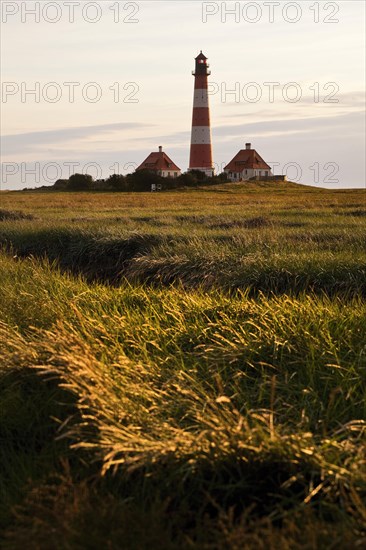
column 209, row 172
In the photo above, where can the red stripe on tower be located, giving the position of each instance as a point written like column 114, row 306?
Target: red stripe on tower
column 201, row 150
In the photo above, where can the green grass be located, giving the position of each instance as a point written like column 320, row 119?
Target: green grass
column 225, row 410
column 262, row 239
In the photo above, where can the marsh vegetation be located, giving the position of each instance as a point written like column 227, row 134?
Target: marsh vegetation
column 183, row 370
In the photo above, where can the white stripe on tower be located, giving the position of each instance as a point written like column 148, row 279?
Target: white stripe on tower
column 201, row 134
column 201, row 150
column 200, row 98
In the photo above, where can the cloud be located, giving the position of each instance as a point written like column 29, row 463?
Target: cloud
column 355, row 100
column 13, row 144
column 266, row 128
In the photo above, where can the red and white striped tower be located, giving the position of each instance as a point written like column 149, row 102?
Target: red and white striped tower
column 201, row 150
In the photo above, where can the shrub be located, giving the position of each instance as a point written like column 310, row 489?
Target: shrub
column 80, row 182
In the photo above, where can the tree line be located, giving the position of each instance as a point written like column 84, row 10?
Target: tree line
column 139, row 181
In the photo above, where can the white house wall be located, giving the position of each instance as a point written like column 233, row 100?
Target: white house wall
column 246, row 174
column 169, row 173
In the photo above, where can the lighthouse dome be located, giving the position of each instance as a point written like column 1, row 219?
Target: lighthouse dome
column 201, row 56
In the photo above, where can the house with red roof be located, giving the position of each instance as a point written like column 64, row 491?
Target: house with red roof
column 247, row 164
column 159, row 163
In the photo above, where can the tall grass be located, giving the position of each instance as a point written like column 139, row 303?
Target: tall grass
column 211, row 395
column 211, row 421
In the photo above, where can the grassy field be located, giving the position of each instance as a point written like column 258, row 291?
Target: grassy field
column 183, row 370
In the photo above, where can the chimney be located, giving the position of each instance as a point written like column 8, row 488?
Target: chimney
column 248, row 146
column 160, row 149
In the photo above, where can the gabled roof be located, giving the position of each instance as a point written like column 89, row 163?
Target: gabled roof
column 158, row 161
column 247, row 158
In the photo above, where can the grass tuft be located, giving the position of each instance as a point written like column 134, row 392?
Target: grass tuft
column 14, row 215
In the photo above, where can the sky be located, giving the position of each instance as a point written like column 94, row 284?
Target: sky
column 96, row 86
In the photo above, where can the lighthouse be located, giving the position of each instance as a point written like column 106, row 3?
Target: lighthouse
column 201, row 150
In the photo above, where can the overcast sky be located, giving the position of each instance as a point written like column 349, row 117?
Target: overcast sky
column 133, row 89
